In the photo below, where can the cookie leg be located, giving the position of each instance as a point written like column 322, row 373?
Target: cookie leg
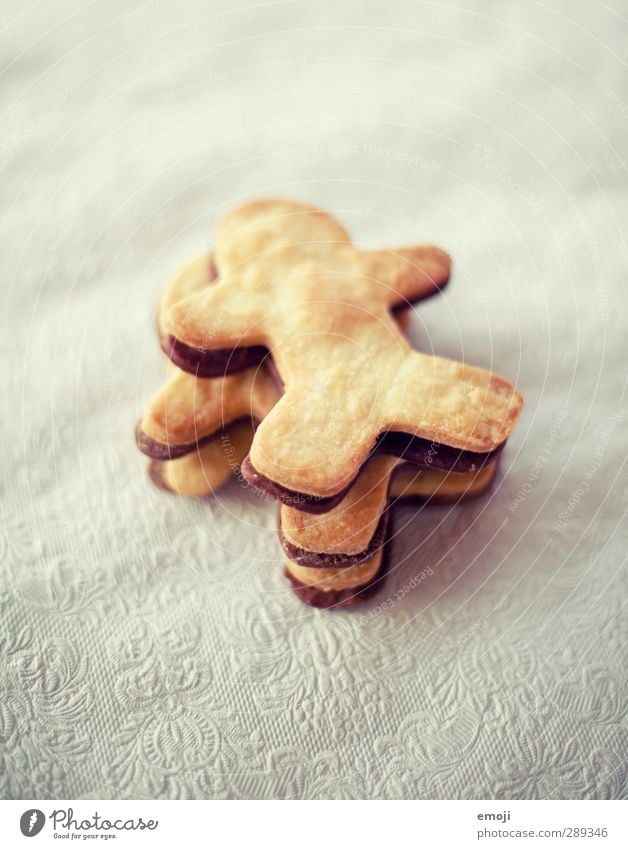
column 208, row 467
column 333, row 588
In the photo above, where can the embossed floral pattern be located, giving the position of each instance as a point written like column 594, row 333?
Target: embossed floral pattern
column 44, row 699
column 149, row 645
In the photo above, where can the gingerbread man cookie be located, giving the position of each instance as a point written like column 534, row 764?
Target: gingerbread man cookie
column 291, row 282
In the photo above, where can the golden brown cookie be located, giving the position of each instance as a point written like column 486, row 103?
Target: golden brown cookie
column 189, row 409
column 333, row 588
column 203, row 471
column 353, row 530
column 292, row 283
column 330, row 584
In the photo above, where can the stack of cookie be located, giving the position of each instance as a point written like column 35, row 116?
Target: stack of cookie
column 291, row 367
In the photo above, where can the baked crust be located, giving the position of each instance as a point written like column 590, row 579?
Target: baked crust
column 338, row 586
column 347, row 587
column 446, row 418
column 206, row 469
column 292, row 282
column 353, row 531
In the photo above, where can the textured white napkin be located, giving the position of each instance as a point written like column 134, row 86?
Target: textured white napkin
column 149, row 645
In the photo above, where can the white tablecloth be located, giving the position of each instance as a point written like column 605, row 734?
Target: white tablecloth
column 149, row 645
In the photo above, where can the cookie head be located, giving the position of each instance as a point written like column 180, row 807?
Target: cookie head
column 256, row 230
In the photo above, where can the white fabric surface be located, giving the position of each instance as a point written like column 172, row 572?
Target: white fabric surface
column 149, row 645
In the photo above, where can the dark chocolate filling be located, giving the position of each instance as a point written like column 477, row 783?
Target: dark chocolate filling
column 203, row 362
column 207, row 362
column 289, row 497
column 164, row 452
column 419, row 452
column 161, row 451
column 316, row 597
column 223, row 360
column 433, row 455
column 154, row 473
column 324, row 560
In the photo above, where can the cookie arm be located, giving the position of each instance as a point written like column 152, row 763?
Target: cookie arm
column 407, row 274
column 187, row 410
column 222, row 316
column 453, row 403
column 208, row 467
column 192, row 278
